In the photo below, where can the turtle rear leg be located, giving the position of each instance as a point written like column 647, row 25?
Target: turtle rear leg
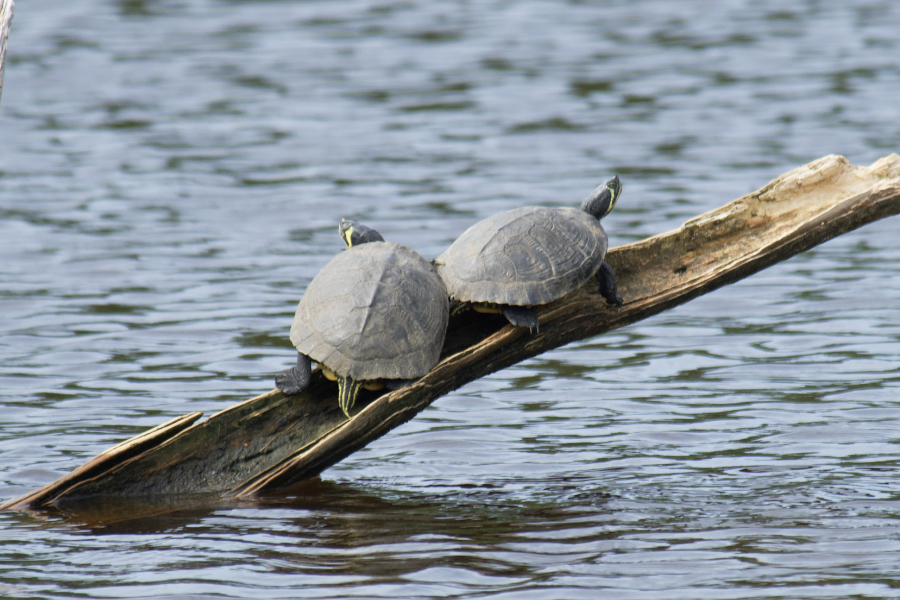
column 296, row 379
column 521, row 316
column 347, row 391
column 607, row 278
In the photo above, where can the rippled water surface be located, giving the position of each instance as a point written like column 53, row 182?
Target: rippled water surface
column 171, row 177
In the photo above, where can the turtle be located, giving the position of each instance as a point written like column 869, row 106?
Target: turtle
column 529, row 256
column 375, row 315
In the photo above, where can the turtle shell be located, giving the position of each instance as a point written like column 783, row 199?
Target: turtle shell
column 523, row 257
column 375, row 311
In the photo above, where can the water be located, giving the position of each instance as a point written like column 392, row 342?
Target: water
column 171, row 178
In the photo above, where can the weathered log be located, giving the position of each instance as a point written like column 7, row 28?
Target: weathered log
column 6, row 15
column 272, row 442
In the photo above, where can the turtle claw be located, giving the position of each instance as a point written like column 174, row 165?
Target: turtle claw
column 286, row 381
column 297, row 378
column 521, row 316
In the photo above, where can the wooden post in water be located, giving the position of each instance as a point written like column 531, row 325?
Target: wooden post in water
column 272, row 442
column 6, row 15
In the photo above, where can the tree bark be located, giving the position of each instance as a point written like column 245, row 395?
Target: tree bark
column 272, row 442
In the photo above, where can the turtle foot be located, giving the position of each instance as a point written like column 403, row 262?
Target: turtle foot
column 521, row 316
column 458, row 307
column 396, row 384
column 297, row 378
column 608, row 288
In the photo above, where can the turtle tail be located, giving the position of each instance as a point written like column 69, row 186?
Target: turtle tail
column 347, row 391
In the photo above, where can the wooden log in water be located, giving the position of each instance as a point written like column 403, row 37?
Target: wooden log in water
column 272, row 442
column 6, row 15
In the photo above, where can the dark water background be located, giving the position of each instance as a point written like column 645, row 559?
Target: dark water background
column 171, row 177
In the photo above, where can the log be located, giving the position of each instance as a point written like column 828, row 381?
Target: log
column 273, row 442
column 6, row 15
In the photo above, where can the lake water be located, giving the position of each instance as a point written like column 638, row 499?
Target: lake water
column 171, row 178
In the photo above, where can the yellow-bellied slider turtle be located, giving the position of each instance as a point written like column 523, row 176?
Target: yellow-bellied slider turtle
column 376, row 314
column 531, row 255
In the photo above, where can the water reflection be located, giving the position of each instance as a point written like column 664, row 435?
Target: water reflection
column 496, row 536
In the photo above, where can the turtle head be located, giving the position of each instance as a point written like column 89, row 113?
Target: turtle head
column 602, row 200
column 354, row 233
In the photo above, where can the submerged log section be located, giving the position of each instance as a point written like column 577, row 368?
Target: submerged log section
column 272, row 442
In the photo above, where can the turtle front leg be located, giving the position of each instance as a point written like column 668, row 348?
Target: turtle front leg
column 457, row 307
column 347, row 391
column 521, row 316
column 607, row 279
column 296, row 379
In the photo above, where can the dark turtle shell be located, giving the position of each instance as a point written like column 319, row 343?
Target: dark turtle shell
column 375, row 311
column 523, row 257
